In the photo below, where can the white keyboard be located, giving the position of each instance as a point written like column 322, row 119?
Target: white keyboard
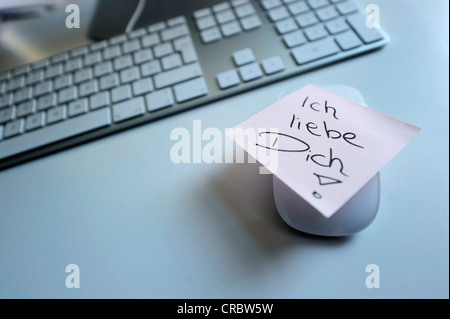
column 171, row 66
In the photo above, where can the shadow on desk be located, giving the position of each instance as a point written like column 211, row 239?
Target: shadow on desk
column 249, row 196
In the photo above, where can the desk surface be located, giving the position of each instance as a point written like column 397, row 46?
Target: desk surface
column 140, row 226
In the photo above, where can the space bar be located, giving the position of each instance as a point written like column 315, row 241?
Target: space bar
column 54, row 133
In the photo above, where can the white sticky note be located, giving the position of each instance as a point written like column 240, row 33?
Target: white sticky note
column 326, row 147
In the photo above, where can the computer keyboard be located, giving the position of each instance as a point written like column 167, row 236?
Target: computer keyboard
column 167, row 67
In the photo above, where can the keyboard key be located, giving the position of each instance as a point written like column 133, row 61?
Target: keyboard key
column 83, row 75
column 202, row 13
column 98, row 45
column 211, row 35
column 122, row 62
column 21, row 70
column 273, row 65
column 175, row 32
column 60, row 57
column 225, row 16
column 88, row 88
column 159, row 100
column 228, row 79
column 190, row 90
column 67, row 95
column 157, row 27
column 143, row 56
column 73, row 64
column 78, row 51
column 25, row 108
column 35, row 121
column 250, row 72
column 118, row 39
column 46, row 101
column 306, row 19
column 171, row 61
column 270, row 4
column 206, row 23
column 78, row 107
column 129, row 75
column 22, row 95
column 243, row 57
column 92, row 58
column 186, row 48
column 15, row 83
column 231, row 28
column 35, row 76
column 315, row 51
column 317, row 3
column 316, row 32
column 2, row 86
column 42, row 88
column 150, row 40
column 4, row 76
column 56, row 114
column 286, row 25
column 128, row 109
column 62, row 81
column 103, row 68
column 244, row 10
column 236, row 3
column 336, row 26
column 137, row 33
column 348, row 40
column 109, row 81
column 40, row 64
column 131, row 46
column 6, row 115
column 182, row 74
column 251, row 22
column 278, row 14
column 111, row 52
column 5, row 86
column 143, row 86
column 298, row 7
column 99, row 100
column 221, row 7
column 53, row 71
column 12, row 129
column 176, row 21
column 368, row 35
column 55, row 132
column 121, row 93
column 327, row 13
column 163, row 49
column 346, row 7
column 151, row 68
column 5, row 100
column 294, row 39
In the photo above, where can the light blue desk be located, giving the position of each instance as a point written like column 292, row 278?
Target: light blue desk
column 140, row 226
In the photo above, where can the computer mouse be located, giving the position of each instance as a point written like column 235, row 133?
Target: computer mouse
column 357, row 214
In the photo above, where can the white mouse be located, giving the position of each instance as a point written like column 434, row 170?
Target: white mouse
column 357, row 214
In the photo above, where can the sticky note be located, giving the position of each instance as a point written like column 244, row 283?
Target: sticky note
column 325, row 146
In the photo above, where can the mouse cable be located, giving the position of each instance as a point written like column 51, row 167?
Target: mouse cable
column 137, row 13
